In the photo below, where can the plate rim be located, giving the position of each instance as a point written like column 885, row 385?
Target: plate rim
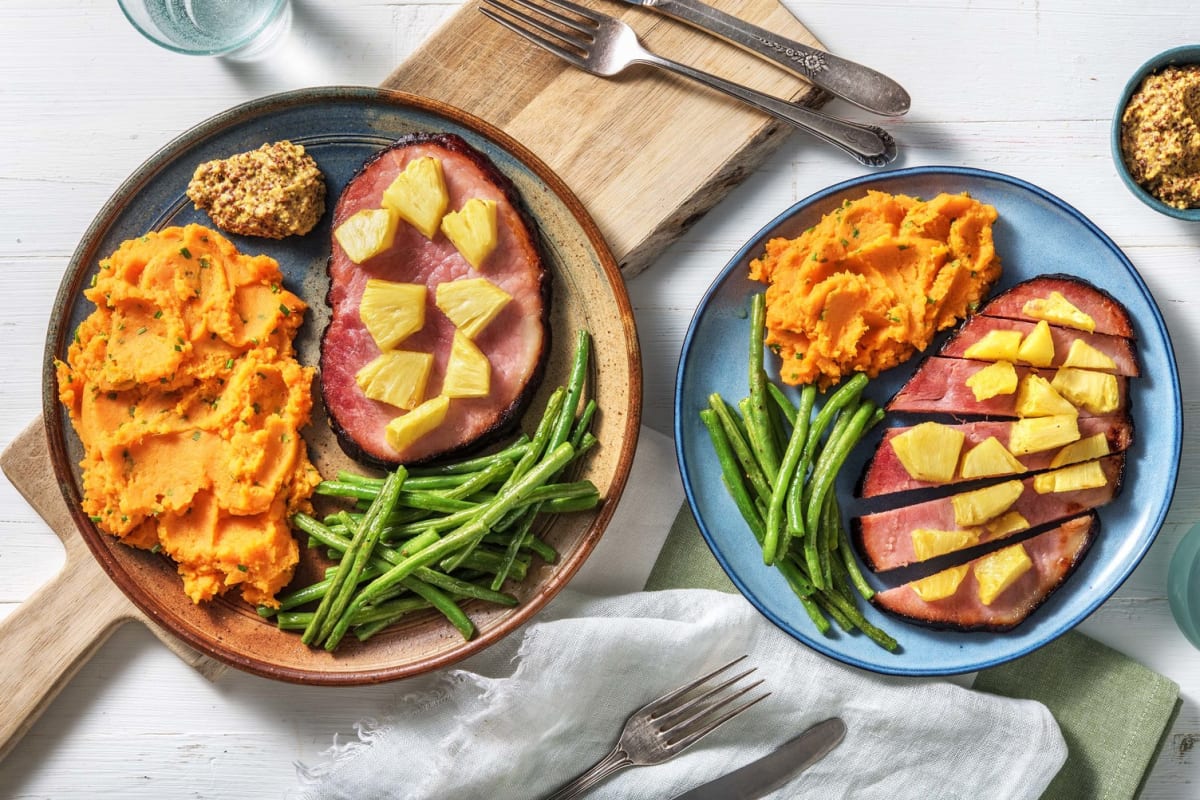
column 196, row 135
column 755, row 242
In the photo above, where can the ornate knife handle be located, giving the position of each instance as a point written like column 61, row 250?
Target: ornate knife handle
column 862, row 86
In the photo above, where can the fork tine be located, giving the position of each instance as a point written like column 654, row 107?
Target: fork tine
column 575, row 8
column 563, row 53
column 663, row 704
column 587, row 30
column 703, row 705
column 712, row 725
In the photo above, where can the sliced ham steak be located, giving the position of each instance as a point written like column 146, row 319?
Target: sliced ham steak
column 1109, row 315
column 1055, row 554
column 939, row 386
column 1119, row 349
column 516, row 342
column 886, row 475
column 885, row 538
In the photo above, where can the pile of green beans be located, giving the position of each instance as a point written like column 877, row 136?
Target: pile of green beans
column 780, row 464
column 442, row 536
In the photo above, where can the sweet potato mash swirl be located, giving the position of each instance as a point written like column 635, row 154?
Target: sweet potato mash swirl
column 873, row 281
column 187, row 397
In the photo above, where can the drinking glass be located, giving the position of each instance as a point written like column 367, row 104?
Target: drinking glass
column 238, row 29
column 1183, row 585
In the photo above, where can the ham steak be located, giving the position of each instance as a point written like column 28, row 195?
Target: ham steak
column 1118, row 348
column 516, row 342
column 885, row 474
column 939, row 386
column 1054, row 555
column 1104, row 309
column 885, row 538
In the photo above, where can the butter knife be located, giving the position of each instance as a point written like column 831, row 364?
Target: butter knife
column 862, row 86
column 773, row 770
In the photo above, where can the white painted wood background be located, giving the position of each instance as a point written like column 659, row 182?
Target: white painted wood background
column 1020, row 86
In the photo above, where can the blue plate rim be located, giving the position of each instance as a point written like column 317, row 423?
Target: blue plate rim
column 817, row 642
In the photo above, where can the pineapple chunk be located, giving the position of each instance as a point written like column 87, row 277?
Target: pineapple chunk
column 1036, row 434
column 940, row 585
column 471, row 303
column 419, row 196
column 396, row 377
column 981, row 505
column 1094, row 446
column 999, row 570
column 1084, row 355
column 367, row 233
column 1038, row 347
column 929, row 543
column 407, row 428
column 989, row 458
column 473, row 230
column 1060, row 311
column 1096, row 391
column 392, row 311
column 1088, row 475
column 468, row 372
column 1010, row 522
column 1037, row 398
column 997, row 378
column 995, row 346
column 929, row 451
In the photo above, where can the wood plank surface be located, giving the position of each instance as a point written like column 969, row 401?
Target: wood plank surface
column 647, row 152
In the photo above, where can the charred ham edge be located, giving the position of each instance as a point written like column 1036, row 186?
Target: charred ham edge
column 1107, row 312
column 939, row 386
column 1055, row 555
column 884, row 539
column 1118, row 348
column 884, row 474
column 357, row 421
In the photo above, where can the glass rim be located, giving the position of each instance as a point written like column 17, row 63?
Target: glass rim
column 167, row 44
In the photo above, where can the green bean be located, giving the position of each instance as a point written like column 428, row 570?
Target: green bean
column 736, row 436
column 354, row 559
column 757, row 420
column 465, row 536
column 511, row 453
column 775, row 542
column 584, row 423
column 439, row 600
column 578, row 375
column 837, row 450
column 789, row 411
column 731, row 475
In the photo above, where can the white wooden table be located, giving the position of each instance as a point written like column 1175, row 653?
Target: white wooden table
column 1025, row 87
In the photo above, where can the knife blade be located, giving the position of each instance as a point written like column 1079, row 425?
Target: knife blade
column 862, row 86
column 774, row 769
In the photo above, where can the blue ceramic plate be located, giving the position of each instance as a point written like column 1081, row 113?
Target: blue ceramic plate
column 341, row 127
column 1037, row 233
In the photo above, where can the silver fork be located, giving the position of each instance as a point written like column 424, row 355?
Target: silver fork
column 665, row 727
column 605, row 46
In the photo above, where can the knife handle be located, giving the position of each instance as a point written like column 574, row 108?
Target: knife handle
column 862, row 86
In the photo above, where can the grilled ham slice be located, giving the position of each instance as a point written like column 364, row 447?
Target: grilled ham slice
column 1054, row 555
column 1118, row 348
column 1109, row 315
column 885, row 538
column 515, row 342
column 939, row 386
column 886, row 475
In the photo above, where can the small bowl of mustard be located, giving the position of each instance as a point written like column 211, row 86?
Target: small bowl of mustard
column 1156, row 133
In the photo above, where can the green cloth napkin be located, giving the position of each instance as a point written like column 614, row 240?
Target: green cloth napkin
column 1114, row 713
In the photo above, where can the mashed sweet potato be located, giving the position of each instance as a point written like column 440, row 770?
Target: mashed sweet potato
column 873, row 281
column 186, row 394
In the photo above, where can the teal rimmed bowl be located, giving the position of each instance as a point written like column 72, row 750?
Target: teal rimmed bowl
column 1182, row 55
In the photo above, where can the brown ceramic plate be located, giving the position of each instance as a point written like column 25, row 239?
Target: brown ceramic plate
column 341, row 128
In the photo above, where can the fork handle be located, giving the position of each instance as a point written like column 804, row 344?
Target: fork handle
column 868, row 144
column 862, row 86
column 614, row 762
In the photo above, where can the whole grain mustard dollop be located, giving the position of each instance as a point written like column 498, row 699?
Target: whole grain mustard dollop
column 1160, row 135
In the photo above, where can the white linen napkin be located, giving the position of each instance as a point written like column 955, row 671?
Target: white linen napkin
column 541, row 706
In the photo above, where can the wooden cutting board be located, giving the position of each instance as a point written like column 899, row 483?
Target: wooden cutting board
column 647, row 153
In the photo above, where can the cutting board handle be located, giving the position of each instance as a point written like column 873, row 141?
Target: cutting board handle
column 51, row 635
